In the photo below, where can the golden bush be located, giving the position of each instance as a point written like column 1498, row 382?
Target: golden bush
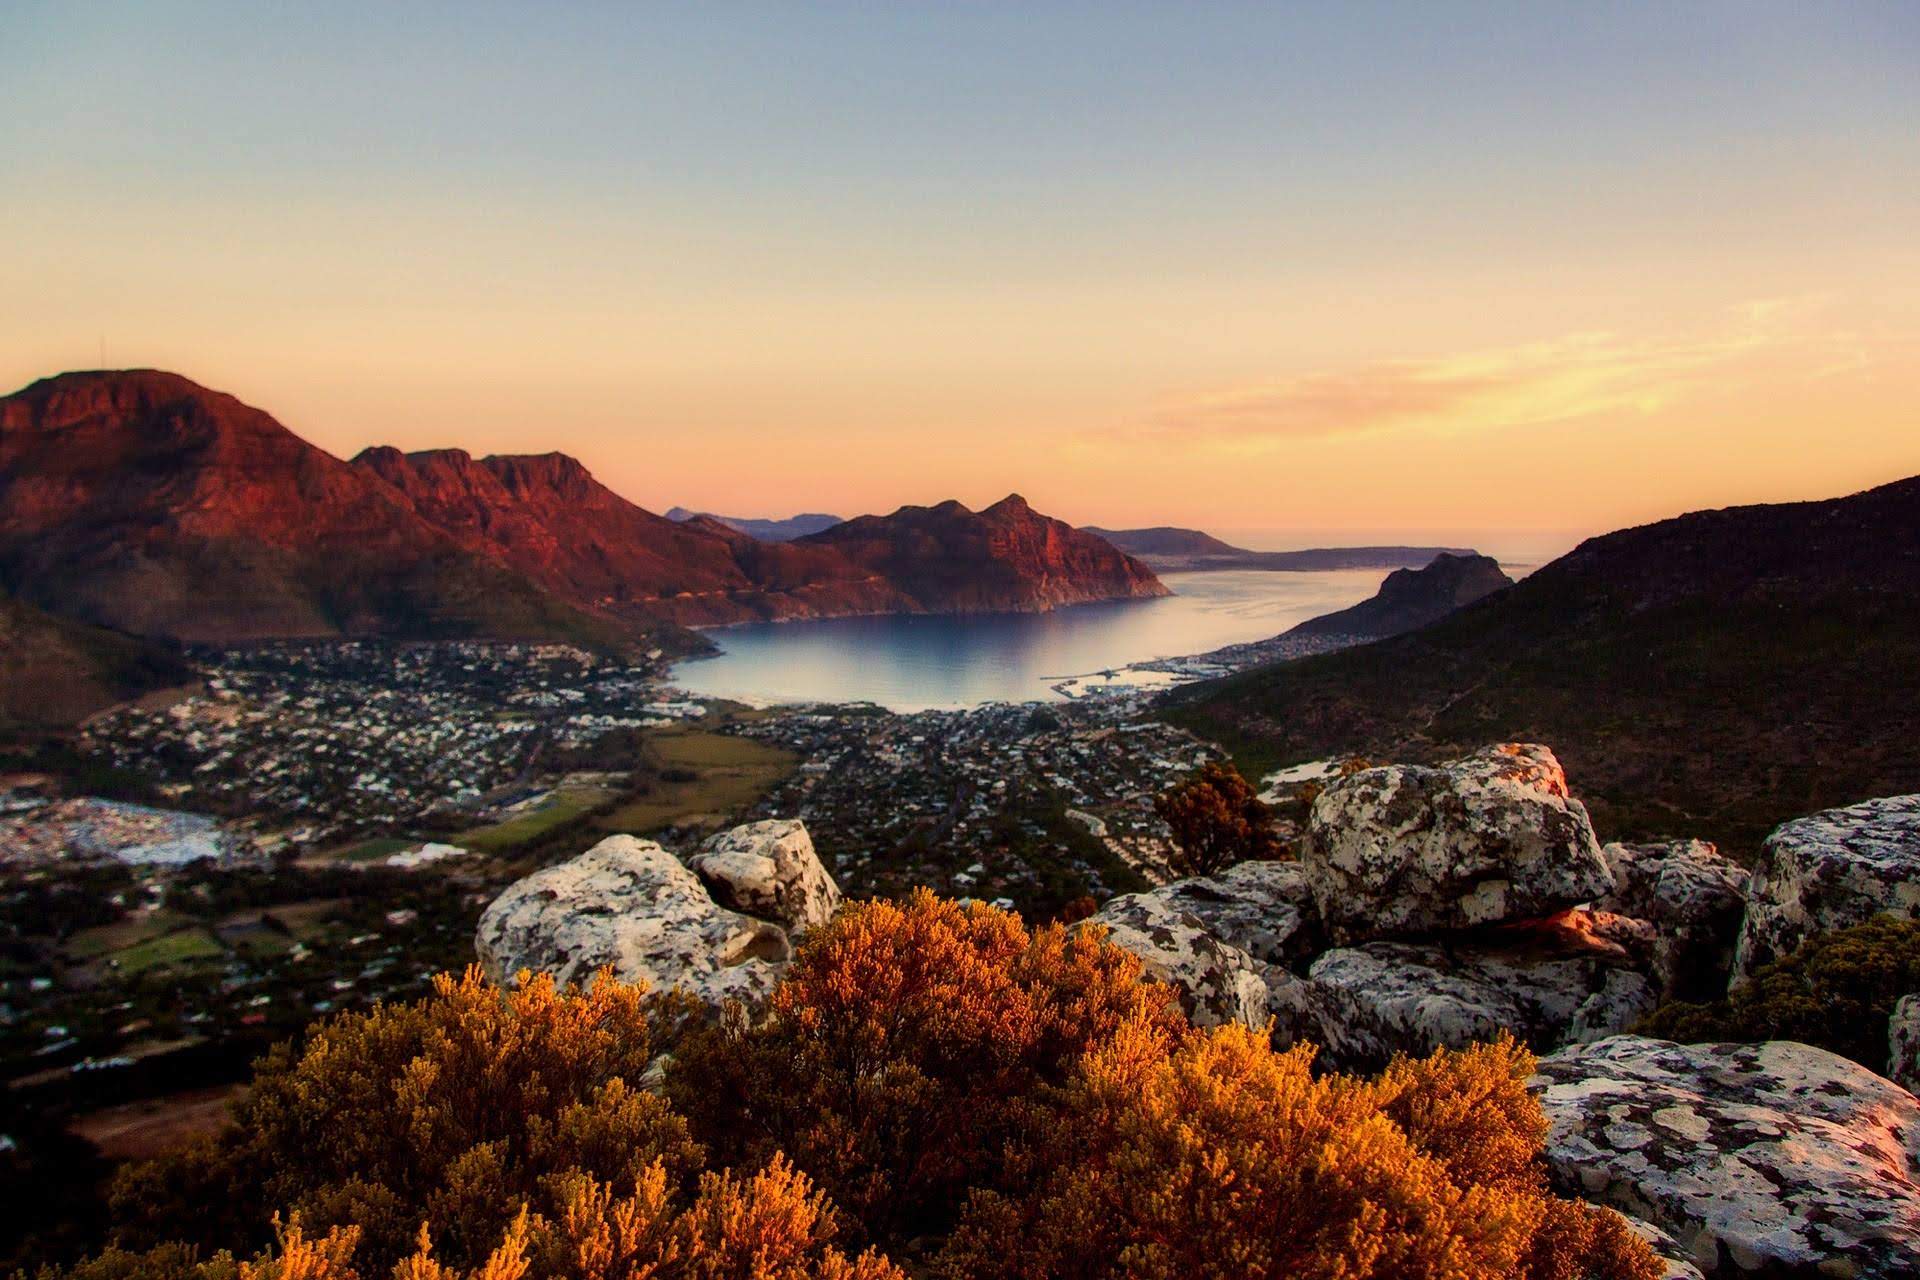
column 934, row 1079
column 907, row 1049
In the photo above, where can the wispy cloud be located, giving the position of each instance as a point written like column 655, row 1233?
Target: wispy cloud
column 1568, row 379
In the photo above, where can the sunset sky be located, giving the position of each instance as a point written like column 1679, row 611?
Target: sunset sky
column 1366, row 268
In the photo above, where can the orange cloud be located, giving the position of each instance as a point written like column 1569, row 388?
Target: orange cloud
column 1568, row 379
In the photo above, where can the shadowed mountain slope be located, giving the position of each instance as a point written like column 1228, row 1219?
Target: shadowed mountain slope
column 1711, row 674
column 1412, row 598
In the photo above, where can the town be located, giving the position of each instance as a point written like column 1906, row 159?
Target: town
column 316, row 827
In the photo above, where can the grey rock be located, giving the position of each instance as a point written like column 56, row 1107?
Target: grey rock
column 1406, row 849
column 1693, row 898
column 1364, row 1004
column 1264, row 908
column 769, row 869
column 1217, row 983
column 1903, row 1043
column 1769, row 1159
column 1828, row 871
column 1665, row 1248
column 630, row 904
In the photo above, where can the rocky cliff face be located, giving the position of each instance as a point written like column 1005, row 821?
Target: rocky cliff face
column 545, row 516
column 1007, row 558
column 145, row 503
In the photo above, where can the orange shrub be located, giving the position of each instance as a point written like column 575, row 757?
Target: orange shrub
column 908, row 1048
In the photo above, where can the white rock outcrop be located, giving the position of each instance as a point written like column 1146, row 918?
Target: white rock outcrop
column 1364, row 1004
column 769, row 869
column 1833, row 869
column 1217, row 983
column 1407, row 849
column 1770, row 1159
column 1692, row 897
column 631, row 904
column 1264, row 908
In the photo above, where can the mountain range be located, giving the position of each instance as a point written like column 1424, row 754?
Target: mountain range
column 139, row 501
column 1711, row 674
column 1168, row 549
column 766, row 530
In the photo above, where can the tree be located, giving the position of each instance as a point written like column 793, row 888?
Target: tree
column 1217, row 819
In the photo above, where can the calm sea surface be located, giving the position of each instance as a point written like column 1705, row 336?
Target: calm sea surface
column 918, row 663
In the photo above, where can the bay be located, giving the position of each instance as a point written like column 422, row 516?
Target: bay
column 918, row 663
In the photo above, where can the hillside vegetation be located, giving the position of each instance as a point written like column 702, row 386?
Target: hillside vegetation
column 935, row 1091
column 1708, row 675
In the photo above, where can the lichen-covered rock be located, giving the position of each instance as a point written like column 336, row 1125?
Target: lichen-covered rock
column 1264, row 908
column 1903, row 1043
column 1217, row 983
column 1406, row 849
column 769, row 869
column 630, row 904
column 1693, row 897
column 1830, row 870
column 1364, row 1004
column 1758, row 1159
column 1668, row 1250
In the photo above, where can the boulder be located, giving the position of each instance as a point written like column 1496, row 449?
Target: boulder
column 1903, row 1043
column 1407, row 849
column 1364, row 1004
column 1217, row 983
column 1665, row 1248
column 1693, row 897
column 1758, row 1159
column 769, row 869
column 1833, row 869
column 630, row 904
column 1264, row 908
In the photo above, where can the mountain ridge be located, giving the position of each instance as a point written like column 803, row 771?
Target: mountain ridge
column 1714, row 673
column 143, row 502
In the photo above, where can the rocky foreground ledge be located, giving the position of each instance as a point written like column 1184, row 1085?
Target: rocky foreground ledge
column 1434, row 907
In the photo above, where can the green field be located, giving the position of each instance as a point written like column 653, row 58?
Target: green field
column 564, row 805
column 180, row 949
column 730, row 774
column 375, row 850
column 106, row 939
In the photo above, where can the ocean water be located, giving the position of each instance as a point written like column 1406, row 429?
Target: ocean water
column 922, row 663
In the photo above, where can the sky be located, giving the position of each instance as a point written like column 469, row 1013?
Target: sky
column 1529, row 270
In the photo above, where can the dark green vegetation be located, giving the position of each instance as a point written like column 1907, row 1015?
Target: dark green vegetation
column 54, row 671
column 1835, row 992
column 1217, row 819
column 933, row 1087
column 1710, row 675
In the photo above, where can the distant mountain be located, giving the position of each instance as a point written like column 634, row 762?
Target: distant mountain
column 1412, row 598
column 766, row 530
column 1166, row 540
column 54, row 671
column 1710, row 674
column 1007, row 558
column 139, row 501
column 546, row 517
column 1167, row 549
